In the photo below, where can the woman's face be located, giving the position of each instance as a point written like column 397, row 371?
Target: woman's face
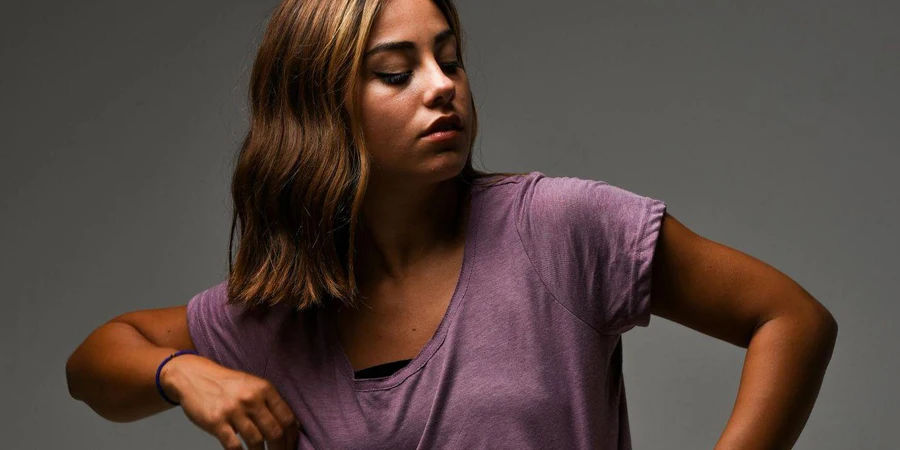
column 404, row 90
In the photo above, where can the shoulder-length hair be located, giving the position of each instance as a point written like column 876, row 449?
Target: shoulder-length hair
column 302, row 170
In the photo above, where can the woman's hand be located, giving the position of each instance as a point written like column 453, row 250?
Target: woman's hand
column 227, row 403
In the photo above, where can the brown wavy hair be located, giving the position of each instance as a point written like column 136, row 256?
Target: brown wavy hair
column 302, row 170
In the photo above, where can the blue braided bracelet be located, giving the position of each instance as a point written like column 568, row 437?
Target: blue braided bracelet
column 159, row 370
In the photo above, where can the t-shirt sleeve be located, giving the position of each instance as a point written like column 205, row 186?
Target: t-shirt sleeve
column 226, row 335
column 592, row 244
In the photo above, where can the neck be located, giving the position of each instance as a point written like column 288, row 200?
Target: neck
column 402, row 225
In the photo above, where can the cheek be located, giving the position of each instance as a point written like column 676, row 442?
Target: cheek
column 385, row 118
column 372, row 115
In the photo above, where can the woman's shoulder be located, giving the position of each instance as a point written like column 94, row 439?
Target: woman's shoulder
column 575, row 197
column 537, row 200
column 229, row 333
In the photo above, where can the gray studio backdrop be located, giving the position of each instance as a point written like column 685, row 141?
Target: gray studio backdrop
column 771, row 127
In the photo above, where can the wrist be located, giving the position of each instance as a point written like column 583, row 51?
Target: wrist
column 171, row 377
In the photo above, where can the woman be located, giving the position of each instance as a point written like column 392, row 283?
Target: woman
column 387, row 295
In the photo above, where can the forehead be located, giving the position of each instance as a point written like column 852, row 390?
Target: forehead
column 412, row 20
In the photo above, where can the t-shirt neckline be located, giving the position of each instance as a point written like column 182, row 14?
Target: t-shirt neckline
column 339, row 356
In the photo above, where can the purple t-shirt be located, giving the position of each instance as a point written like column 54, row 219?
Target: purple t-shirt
column 528, row 354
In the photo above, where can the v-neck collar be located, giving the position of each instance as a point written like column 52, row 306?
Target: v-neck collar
column 339, row 356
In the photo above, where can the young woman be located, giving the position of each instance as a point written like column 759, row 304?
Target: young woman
column 385, row 294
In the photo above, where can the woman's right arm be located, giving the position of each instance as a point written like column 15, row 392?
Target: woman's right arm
column 114, row 370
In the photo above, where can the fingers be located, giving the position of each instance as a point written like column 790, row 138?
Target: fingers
column 249, row 429
column 268, row 424
column 280, row 409
column 272, row 431
column 249, row 433
column 276, row 438
column 282, row 414
column 234, row 407
column 228, row 438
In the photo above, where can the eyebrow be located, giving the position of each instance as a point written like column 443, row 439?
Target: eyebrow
column 406, row 45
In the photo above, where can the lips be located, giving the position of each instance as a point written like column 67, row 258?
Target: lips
column 444, row 123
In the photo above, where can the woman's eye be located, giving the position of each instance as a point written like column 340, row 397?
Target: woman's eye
column 452, row 66
column 394, row 78
column 400, row 78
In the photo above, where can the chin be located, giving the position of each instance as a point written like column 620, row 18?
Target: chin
column 453, row 159
column 445, row 166
column 433, row 165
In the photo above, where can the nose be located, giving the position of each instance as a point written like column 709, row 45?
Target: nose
column 441, row 88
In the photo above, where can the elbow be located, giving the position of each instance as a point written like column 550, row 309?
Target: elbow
column 814, row 323
column 72, row 377
column 824, row 327
column 101, row 407
column 77, row 390
column 827, row 322
column 831, row 326
column 819, row 319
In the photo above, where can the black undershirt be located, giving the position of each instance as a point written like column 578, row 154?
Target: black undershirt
column 381, row 370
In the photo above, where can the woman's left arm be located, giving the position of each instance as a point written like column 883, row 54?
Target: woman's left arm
column 729, row 295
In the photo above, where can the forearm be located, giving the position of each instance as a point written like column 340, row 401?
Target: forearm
column 114, row 372
column 783, row 371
